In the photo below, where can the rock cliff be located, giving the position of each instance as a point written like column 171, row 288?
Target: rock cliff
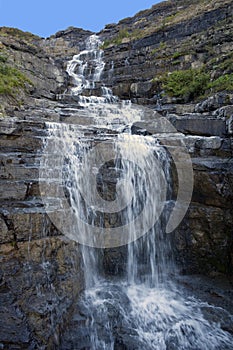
column 145, row 56
column 170, row 37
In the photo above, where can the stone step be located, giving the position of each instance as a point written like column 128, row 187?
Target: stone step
column 192, row 124
column 196, row 124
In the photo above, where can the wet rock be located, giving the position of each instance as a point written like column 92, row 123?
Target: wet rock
column 230, row 125
column 40, row 277
column 127, row 339
column 218, row 315
column 39, row 282
column 41, row 272
column 102, row 325
column 6, row 235
column 203, row 241
column 115, row 261
column 14, row 329
column 224, row 112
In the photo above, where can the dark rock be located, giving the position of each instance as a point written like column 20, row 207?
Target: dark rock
column 40, row 277
column 165, row 46
column 195, row 124
column 41, row 272
column 224, row 112
column 41, row 281
column 115, row 261
column 141, row 89
column 213, row 103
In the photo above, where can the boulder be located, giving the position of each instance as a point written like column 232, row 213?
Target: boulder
column 213, row 103
column 196, row 124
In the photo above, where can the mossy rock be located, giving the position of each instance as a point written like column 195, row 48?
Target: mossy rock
column 12, row 79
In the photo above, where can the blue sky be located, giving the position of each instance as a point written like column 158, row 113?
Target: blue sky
column 45, row 17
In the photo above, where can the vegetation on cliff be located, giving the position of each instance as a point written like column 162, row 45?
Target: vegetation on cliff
column 193, row 84
column 26, row 70
column 14, row 83
column 18, row 33
column 186, row 84
column 183, row 49
column 11, row 79
column 167, row 13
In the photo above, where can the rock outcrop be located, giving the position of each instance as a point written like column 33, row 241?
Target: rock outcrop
column 204, row 239
column 39, row 283
column 22, row 53
column 171, row 36
column 41, row 273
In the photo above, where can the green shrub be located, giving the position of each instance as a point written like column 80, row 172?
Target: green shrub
column 175, row 63
column 170, row 18
column 224, row 82
column 177, row 54
column 227, row 65
column 136, row 34
column 3, row 59
column 105, row 44
column 11, row 79
column 123, row 33
column 186, row 84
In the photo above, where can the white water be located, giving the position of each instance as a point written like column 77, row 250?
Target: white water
column 86, row 67
column 144, row 309
column 149, row 318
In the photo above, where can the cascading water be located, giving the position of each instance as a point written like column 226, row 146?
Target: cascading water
column 143, row 309
column 85, row 70
column 86, row 67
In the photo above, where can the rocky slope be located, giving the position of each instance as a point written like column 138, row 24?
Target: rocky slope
column 141, row 52
column 146, row 56
column 171, row 36
column 41, row 271
column 26, row 71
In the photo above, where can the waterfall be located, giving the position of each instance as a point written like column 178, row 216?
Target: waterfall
column 148, row 257
column 86, row 67
column 118, row 188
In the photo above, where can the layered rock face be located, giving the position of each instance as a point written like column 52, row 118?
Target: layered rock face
column 21, row 54
column 164, row 39
column 170, row 36
column 204, row 238
column 203, row 241
column 39, row 282
column 41, row 271
column 138, row 51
